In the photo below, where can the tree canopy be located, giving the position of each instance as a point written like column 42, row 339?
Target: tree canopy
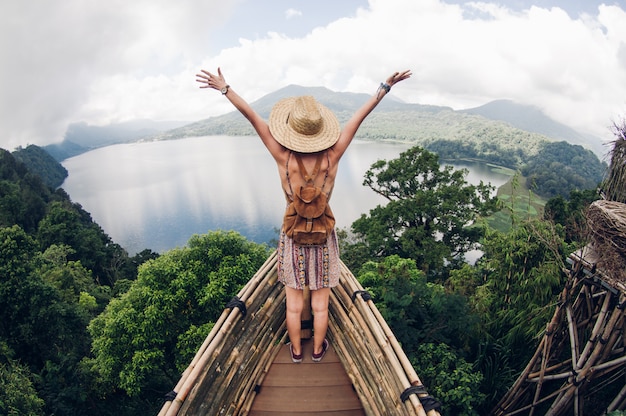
column 142, row 340
column 429, row 213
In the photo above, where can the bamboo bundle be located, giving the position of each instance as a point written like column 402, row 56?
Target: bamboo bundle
column 218, row 355
column 382, row 371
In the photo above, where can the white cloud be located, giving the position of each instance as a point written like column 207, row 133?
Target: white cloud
column 291, row 13
column 112, row 61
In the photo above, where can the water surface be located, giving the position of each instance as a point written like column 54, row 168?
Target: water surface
column 158, row 194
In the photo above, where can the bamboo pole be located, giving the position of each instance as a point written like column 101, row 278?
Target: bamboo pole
column 573, row 335
column 559, row 405
column 392, row 353
column 224, row 370
column 544, row 362
column 596, row 329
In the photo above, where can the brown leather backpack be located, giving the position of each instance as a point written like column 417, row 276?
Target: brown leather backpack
column 308, row 218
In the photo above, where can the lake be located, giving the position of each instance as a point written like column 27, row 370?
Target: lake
column 156, row 195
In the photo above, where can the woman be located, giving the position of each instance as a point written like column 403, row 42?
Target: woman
column 300, row 127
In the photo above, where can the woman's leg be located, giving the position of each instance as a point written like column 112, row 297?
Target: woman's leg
column 295, row 303
column 319, row 305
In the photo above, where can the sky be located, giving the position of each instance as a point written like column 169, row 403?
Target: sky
column 101, row 62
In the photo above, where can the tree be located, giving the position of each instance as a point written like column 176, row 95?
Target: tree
column 141, row 341
column 19, row 396
column 45, row 328
column 69, row 224
column 417, row 311
column 428, row 215
column 522, row 277
column 571, row 213
column 450, row 379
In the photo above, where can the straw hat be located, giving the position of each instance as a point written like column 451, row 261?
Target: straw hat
column 303, row 125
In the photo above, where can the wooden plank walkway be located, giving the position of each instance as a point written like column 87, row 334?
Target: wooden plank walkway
column 307, row 388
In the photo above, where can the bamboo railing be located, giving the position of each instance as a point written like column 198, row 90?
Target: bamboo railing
column 231, row 364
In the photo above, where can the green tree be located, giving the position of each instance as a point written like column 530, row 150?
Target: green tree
column 143, row 334
column 428, row 215
column 522, row 275
column 46, row 330
column 570, row 213
column 68, row 224
column 450, row 379
column 19, row 396
column 417, row 311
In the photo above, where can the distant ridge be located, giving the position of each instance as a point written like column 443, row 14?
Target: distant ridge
column 501, row 125
column 82, row 137
column 532, row 119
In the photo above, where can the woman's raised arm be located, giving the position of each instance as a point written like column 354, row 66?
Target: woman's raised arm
column 217, row 82
column 351, row 127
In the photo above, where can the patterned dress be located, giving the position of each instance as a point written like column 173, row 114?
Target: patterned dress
column 313, row 266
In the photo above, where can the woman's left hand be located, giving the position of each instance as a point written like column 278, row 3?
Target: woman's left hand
column 398, row 76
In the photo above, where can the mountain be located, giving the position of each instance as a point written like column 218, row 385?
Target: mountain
column 343, row 105
column 82, row 137
column 499, row 128
column 531, row 118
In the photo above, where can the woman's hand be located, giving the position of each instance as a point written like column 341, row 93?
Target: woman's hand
column 209, row 80
column 397, row 77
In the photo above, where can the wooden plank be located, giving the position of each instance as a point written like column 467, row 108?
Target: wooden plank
column 307, row 388
column 356, row 412
column 318, row 374
column 306, row 398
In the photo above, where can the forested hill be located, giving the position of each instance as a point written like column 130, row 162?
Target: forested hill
column 553, row 163
column 502, row 124
column 531, row 118
column 41, row 163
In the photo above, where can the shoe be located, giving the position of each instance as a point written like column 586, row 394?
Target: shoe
column 295, row 358
column 318, row 357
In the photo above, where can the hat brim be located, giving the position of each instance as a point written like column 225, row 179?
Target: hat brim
column 298, row 142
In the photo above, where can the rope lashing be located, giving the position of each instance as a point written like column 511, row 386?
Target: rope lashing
column 169, row 397
column 365, row 295
column 235, row 302
column 428, row 402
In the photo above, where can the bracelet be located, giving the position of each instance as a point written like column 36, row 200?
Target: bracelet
column 385, row 86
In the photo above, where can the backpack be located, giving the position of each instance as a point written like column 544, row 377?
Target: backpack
column 308, row 218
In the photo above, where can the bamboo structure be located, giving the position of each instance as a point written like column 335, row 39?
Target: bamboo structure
column 581, row 359
column 230, row 366
column 582, row 351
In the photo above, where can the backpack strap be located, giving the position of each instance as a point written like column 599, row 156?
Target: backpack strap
column 309, row 178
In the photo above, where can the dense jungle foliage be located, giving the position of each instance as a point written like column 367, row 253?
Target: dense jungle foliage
column 87, row 330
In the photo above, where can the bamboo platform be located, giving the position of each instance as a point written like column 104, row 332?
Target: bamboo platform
column 306, row 389
column 244, row 357
column 582, row 351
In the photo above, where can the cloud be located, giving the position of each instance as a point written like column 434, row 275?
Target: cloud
column 100, row 62
column 291, row 13
column 56, row 55
column 572, row 68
